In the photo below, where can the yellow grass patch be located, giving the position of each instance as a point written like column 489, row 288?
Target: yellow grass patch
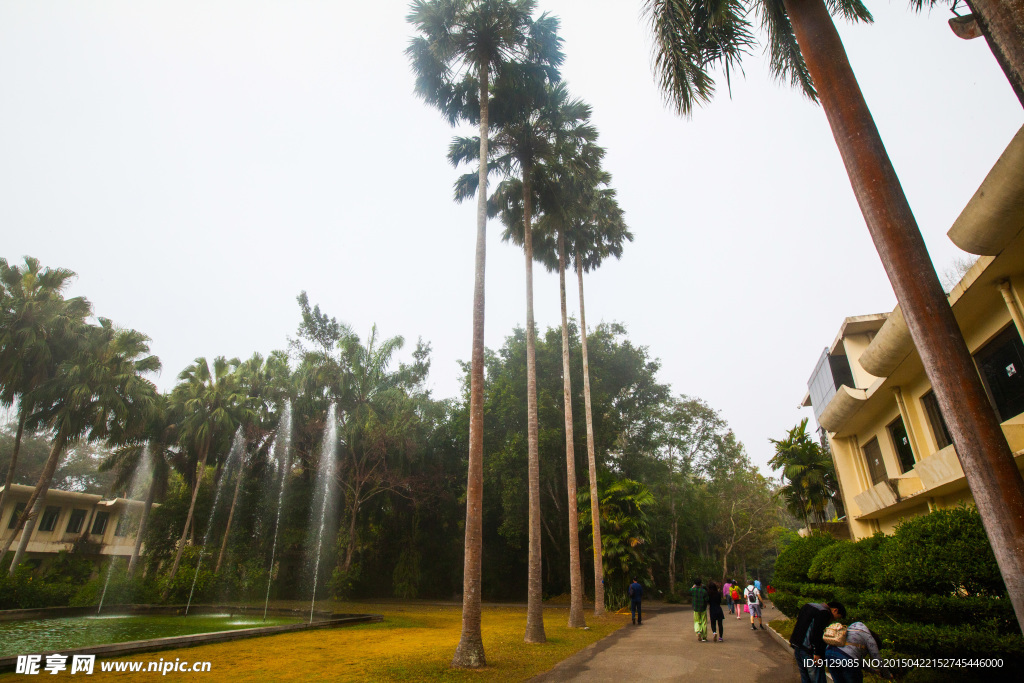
column 414, row 643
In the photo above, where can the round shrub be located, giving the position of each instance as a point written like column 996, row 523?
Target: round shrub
column 944, row 552
column 795, row 561
column 824, row 563
column 861, row 565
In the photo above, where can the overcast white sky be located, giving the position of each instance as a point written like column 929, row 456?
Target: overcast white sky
column 200, row 163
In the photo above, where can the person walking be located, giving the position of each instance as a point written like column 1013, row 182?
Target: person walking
column 734, row 598
column 807, row 639
column 715, row 614
column 753, row 596
column 727, row 594
column 700, row 610
column 636, row 594
column 845, row 662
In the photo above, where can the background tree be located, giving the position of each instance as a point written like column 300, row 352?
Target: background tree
column 808, row 474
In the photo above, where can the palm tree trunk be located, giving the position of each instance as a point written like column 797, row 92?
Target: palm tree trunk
column 22, row 415
column 576, row 618
column 535, row 587
column 351, row 547
column 1002, row 24
column 150, row 497
column 27, row 521
column 470, row 652
column 595, row 512
column 188, row 519
column 992, row 476
column 231, row 513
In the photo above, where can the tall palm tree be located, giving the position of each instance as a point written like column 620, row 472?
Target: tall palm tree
column 462, row 44
column 90, row 395
column 691, row 36
column 143, row 456
column 808, row 472
column 212, row 405
column 598, row 232
column 536, row 125
column 36, row 325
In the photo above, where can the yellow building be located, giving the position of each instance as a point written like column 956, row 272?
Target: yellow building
column 85, row 522
column 869, row 391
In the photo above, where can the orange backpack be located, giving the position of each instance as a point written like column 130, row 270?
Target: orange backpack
column 735, row 593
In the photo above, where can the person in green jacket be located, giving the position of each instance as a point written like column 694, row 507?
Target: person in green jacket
column 700, row 610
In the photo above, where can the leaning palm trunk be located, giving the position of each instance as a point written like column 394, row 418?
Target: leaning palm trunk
column 992, row 476
column 150, row 497
column 535, row 587
column 576, row 618
column 14, row 459
column 470, row 651
column 188, row 519
column 595, row 513
column 1002, row 24
column 27, row 522
column 231, row 514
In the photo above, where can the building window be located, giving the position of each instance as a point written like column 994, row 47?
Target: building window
column 18, row 509
column 876, row 466
column 1001, row 363
column 48, row 522
column 938, row 423
column 75, row 522
column 99, row 525
column 901, row 442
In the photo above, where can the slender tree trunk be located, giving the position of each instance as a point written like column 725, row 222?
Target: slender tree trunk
column 535, row 587
column 150, row 497
column 351, row 547
column 470, row 652
column 576, row 618
column 27, row 521
column 22, row 414
column 188, row 519
column 992, row 476
column 1002, row 24
column 673, row 538
column 595, row 512
column 231, row 513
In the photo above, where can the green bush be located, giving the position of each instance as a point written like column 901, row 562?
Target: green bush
column 944, row 552
column 121, row 590
column 795, row 561
column 824, row 563
column 787, row 603
column 23, row 590
column 861, row 565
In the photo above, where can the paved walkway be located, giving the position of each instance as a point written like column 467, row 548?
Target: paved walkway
column 665, row 648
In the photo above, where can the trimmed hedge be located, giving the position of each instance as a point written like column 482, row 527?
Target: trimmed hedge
column 795, row 561
column 827, row 559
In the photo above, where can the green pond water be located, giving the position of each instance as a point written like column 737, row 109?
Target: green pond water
column 43, row 635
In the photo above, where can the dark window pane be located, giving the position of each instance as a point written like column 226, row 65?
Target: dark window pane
column 99, row 525
column 49, row 519
column 1001, row 363
column 75, row 522
column 900, row 440
column 938, row 423
column 18, row 509
column 876, row 466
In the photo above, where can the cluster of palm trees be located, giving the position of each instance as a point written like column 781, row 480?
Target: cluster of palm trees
column 809, row 481
column 492, row 63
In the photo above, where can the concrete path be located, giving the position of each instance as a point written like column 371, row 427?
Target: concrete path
column 665, row 648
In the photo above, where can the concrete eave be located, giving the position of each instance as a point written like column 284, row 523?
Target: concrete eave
column 995, row 214
column 842, row 407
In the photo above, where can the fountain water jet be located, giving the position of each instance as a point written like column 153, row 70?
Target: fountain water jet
column 103, row 595
column 235, row 453
column 142, row 475
column 324, row 493
column 282, row 453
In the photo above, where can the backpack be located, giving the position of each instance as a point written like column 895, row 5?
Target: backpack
column 835, row 634
column 735, row 592
column 752, row 596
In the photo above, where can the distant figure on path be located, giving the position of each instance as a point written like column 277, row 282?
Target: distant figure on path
column 807, row 642
column 727, row 594
column 734, row 597
column 753, row 596
column 636, row 594
column 700, row 610
column 715, row 614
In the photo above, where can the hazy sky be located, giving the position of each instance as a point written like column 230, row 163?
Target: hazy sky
column 198, row 164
